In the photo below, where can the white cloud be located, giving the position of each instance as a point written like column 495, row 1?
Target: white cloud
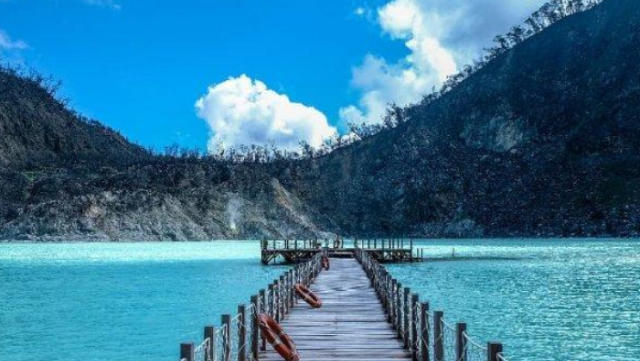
column 7, row 43
column 241, row 111
column 440, row 36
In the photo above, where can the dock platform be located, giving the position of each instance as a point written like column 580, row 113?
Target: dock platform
column 296, row 251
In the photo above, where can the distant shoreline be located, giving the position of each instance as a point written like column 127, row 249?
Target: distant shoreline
column 420, row 239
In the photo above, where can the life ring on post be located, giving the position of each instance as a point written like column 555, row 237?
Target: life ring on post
column 281, row 342
column 308, row 296
column 325, row 263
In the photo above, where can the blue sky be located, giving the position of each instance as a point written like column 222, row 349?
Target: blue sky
column 140, row 66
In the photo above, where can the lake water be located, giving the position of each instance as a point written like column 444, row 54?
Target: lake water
column 124, row 302
column 545, row 300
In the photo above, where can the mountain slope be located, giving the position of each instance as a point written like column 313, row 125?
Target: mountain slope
column 63, row 177
column 544, row 140
column 37, row 129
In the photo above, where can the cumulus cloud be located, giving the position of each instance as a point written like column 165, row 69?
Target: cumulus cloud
column 7, row 43
column 241, row 112
column 440, row 36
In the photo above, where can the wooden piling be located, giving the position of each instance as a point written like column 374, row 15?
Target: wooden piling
column 276, row 300
column 493, row 350
column 415, row 336
column 399, row 309
column 438, row 335
column 461, row 341
column 406, row 334
column 187, row 351
column 272, row 302
column 242, row 333
column 226, row 338
column 424, row 324
column 210, row 333
column 255, row 327
column 282, row 292
column 262, row 303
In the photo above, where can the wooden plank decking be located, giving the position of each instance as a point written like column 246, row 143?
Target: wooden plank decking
column 351, row 325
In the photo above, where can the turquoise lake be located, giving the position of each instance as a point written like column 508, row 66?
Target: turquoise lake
column 545, row 300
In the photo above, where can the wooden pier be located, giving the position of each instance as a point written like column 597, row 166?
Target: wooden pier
column 366, row 315
column 296, row 251
column 351, row 325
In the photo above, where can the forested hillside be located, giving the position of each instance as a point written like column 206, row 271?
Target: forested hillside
column 542, row 138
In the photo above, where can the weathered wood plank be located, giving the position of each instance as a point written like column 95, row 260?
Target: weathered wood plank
column 351, row 325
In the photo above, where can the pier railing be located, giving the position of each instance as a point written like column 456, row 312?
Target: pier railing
column 427, row 335
column 238, row 337
column 292, row 244
column 383, row 250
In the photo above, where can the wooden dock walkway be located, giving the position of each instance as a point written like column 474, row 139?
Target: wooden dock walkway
column 351, row 325
column 366, row 315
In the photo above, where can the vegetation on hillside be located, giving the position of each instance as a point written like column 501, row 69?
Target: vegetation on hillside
column 540, row 138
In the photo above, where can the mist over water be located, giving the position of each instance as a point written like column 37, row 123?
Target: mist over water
column 545, row 300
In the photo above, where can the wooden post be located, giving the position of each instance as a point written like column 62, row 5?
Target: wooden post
column 493, row 349
column 255, row 326
column 210, row 333
column 461, row 342
column 399, row 309
column 424, row 339
column 287, row 292
column 187, row 351
column 392, row 302
column 283, row 297
column 263, row 309
column 272, row 302
column 407, row 318
column 438, row 335
column 226, row 338
column 276, row 301
column 292, row 298
column 415, row 336
column 384, row 284
column 242, row 333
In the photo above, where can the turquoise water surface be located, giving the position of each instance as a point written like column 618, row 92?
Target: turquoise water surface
column 126, row 302
column 545, row 300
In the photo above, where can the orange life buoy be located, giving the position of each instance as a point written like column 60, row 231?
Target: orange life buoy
column 281, row 342
column 308, row 296
column 325, row 263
